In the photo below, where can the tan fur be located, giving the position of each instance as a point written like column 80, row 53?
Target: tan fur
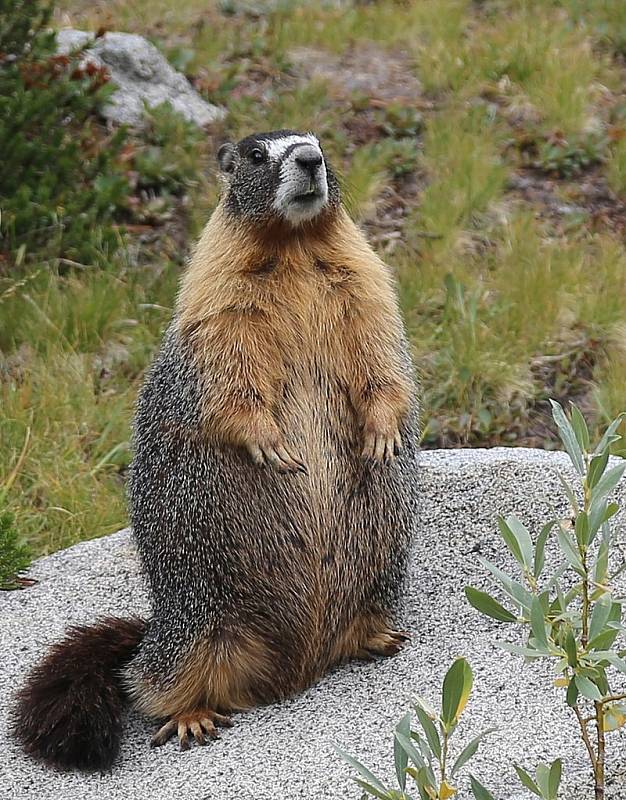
column 362, row 632
column 249, row 321
column 220, row 676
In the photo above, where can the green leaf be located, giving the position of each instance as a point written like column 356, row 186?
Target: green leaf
column 431, row 732
column 568, row 437
column 555, row 778
column 599, row 514
column 601, row 679
column 569, row 551
column 372, row 790
column 361, row 769
column 469, row 750
column 572, row 694
column 526, row 780
column 603, row 641
column 513, row 588
column 605, row 441
column 423, row 745
column 587, row 688
column 580, row 428
column 479, row 791
column 400, row 756
column 612, row 627
column 596, row 468
column 540, row 548
column 608, row 482
column 571, row 648
column 610, row 656
column 599, row 616
column 420, row 701
column 487, row 605
column 510, row 540
column 410, row 750
column 538, row 624
column 581, row 529
column 519, row 650
column 616, row 613
column 542, row 777
column 569, row 492
column 522, row 535
column 457, row 686
column 602, row 561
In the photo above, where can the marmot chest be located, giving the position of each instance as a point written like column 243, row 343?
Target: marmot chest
column 313, row 326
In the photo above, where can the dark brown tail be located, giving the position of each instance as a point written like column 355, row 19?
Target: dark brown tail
column 69, row 712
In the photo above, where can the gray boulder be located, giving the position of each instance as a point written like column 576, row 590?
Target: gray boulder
column 142, row 75
column 285, row 750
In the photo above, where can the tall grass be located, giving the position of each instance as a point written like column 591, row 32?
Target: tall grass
column 74, row 349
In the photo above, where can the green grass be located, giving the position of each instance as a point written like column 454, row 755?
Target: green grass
column 75, row 349
column 616, row 167
column 504, row 308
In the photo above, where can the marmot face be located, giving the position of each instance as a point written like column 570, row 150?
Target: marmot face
column 279, row 174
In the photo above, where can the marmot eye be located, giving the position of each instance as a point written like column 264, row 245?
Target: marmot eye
column 257, row 156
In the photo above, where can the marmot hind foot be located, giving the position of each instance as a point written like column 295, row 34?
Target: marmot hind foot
column 201, row 724
column 384, row 643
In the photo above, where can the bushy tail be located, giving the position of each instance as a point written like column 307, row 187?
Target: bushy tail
column 69, row 712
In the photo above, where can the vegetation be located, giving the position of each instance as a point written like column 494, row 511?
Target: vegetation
column 495, row 190
column 61, row 185
column 14, row 552
column 574, row 616
column 428, row 752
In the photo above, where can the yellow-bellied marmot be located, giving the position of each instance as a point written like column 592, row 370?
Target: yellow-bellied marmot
column 273, row 485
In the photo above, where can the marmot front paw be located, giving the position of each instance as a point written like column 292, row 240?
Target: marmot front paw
column 275, row 454
column 381, row 446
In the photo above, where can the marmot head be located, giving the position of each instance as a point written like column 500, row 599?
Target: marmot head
column 282, row 174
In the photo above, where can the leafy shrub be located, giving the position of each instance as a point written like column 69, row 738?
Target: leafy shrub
column 574, row 616
column 60, row 184
column 426, row 756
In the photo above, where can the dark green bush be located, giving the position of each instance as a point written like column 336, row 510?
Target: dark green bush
column 168, row 157
column 14, row 554
column 61, row 182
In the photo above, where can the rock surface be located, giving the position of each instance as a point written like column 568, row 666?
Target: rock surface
column 284, row 751
column 142, row 75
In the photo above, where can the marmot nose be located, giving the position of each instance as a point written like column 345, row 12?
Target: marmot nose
column 309, row 158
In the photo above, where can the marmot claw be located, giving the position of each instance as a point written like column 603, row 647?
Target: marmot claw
column 200, row 724
column 381, row 447
column 384, row 643
column 276, row 456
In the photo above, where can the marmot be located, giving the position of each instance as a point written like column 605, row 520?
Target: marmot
column 273, row 486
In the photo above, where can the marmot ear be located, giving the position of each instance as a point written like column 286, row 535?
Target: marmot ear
column 226, row 157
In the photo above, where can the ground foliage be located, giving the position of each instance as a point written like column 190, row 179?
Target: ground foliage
column 482, row 147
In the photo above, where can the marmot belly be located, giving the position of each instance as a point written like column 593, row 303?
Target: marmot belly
column 289, row 564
